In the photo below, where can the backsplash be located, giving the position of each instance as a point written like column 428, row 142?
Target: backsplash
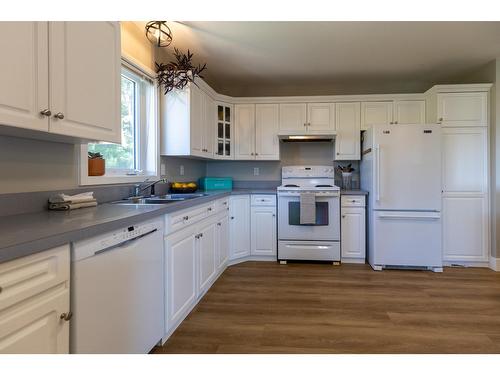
column 300, row 153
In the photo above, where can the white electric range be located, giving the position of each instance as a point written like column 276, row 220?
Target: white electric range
column 318, row 241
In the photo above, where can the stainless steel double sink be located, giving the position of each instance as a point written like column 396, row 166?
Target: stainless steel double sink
column 160, row 199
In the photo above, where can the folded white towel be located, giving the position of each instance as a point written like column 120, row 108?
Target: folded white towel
column 77, row 198
column 66, row 206
column 307, row 208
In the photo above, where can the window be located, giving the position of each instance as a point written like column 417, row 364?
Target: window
column 137, row 156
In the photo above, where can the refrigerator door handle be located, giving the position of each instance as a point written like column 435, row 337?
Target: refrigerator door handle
column 410, row 215
column 377, row 173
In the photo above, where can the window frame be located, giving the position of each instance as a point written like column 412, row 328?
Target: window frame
column 116, row 177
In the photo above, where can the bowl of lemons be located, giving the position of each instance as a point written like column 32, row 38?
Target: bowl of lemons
column 183, row 187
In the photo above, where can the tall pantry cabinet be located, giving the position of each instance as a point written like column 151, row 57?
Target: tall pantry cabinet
column 462, row 112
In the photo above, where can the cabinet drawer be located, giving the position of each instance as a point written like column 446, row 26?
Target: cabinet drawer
column 182, row 219
column 353, row 201
column 222, row 205
column 26, row 277
column 263, row 200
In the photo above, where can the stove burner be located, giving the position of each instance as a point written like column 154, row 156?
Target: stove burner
column 320, row 186
column 291, row 185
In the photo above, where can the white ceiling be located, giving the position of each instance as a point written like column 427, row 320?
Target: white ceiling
column 316, row 58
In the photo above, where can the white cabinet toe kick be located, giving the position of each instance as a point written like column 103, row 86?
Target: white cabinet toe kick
column 312, row 250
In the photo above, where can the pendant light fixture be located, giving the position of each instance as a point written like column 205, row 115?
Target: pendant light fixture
column 159, row 33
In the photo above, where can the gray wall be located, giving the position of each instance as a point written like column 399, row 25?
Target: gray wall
column 193, row 168
column 30, row 165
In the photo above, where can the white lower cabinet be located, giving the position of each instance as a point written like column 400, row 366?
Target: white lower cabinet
column 207, row 253
column 353, row 229
column 239, row 226
column 34, row 303
column 222, row 242
column 180, row 275
column 263, row 225
column 195, row 256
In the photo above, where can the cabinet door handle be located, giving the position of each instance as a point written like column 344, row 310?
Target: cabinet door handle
column 59, row 115
column 343, row 216
column 219, row 224
column 232, row 217
column 1, row 289
column 395, row 122
column 440, row 119
column 274, row 215
column 185, row 218
column 209, row 208
column 66, row 316
column 46, row 112
column 392, row 122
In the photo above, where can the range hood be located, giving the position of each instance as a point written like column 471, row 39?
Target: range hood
column 307, row 138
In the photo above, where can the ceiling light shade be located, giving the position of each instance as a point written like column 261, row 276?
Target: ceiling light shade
column 159, row 33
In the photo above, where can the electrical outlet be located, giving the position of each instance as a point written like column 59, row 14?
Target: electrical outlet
column 256, row 171
column 163, row 171
column 181, row 170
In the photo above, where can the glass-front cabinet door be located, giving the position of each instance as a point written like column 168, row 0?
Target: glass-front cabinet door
column 224, row 132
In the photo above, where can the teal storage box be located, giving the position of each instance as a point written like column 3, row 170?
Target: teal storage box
column 216, row 183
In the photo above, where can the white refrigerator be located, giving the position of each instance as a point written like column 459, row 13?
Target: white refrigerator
column 401, row 170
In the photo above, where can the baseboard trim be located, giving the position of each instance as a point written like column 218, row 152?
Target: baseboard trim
column 495, row 264
column 466, row 264
column 254, row 258
column 353, row 260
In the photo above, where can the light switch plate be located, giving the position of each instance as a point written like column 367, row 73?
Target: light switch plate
column 163, row 171
column 181, row 170
column 256, row 171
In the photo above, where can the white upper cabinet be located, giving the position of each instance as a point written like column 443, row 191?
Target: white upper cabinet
column 256, row 132
column 85, row 67
column 62, row 78
column 244, row 131
column 196, row 109
column 24, row 73
column 375, row 113
column 293, row 118
column 320, row 118
column 392, row 112
column 462, row 109
column 302, row 118
column 188, row 123
column 209, row 125
column 266, row 132
column 409, row 112
column 224, row 132
column 348, row 139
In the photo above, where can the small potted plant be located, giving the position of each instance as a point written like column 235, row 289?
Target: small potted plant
column 97, row 164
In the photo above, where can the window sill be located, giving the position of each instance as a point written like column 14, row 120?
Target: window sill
column 106, row 180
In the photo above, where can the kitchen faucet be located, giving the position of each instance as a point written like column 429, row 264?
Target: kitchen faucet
column 138, row 188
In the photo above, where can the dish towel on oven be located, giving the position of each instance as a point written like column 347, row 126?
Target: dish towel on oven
column 307, row 208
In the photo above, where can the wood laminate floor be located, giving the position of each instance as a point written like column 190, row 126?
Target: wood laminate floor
column 264, row 307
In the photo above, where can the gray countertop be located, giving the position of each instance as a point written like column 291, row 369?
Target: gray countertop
column 353, row 192
column 26, row 234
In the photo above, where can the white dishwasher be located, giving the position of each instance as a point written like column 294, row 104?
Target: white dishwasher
column 117, row 291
